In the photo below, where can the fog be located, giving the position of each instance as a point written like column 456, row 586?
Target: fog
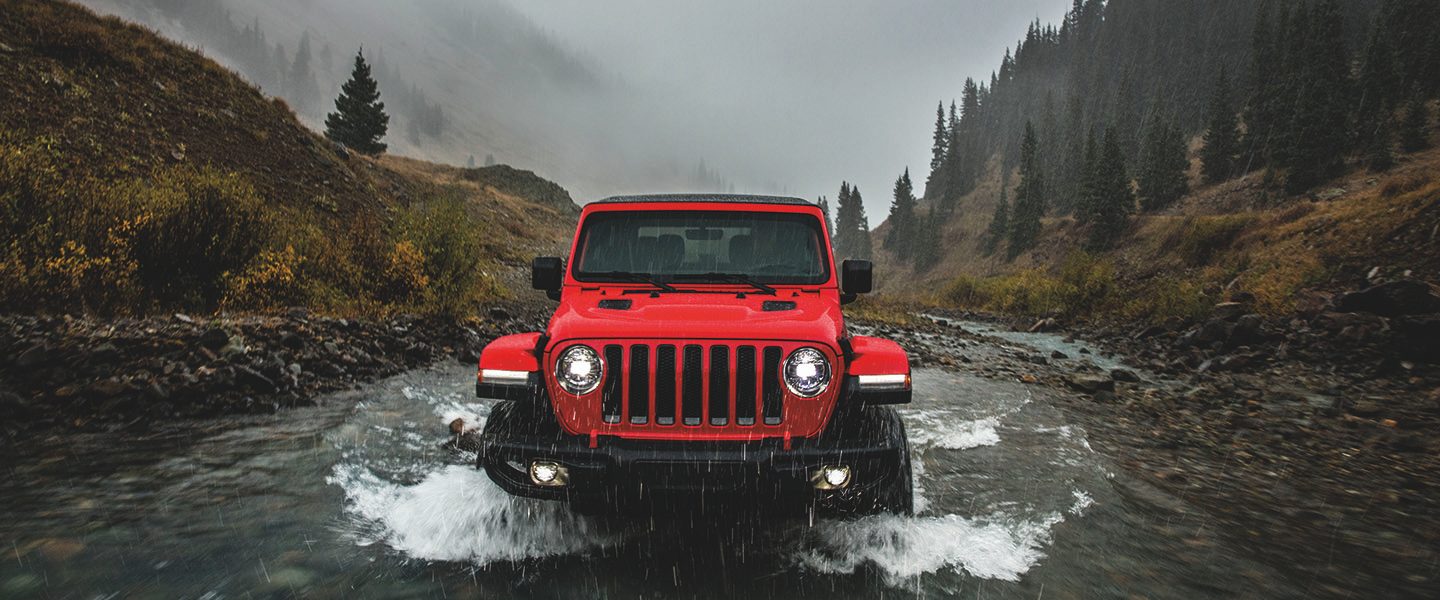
column 628, row 96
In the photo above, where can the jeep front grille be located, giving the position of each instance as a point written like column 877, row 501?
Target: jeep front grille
column 714, row 384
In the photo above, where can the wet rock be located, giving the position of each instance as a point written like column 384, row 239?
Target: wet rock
column 1044, row 325
column 1366, row 408
column 104, row 354
column 1247, row 330
column 35, row 356
column 292, row 341
column 214, row 339
column 1091, row 384
column 1214, row 330
column 106, row 388
column 297, row 313
column 1228, row 311
column 252, row 379
column 12, row 403
column 1058, row 355
column 1392, row 299
column 1125, row 375
column 183, row 318
column 1419, row 336
column 500, row 314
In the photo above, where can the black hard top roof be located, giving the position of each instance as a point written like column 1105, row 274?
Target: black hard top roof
column 730, row 198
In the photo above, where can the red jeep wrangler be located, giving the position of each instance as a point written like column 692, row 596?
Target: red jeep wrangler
column 699, row 358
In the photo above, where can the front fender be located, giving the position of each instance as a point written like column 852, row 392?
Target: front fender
column 509, row 367
column 878, row 372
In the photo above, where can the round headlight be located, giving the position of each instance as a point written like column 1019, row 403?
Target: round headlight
column 807, row 373
column 579, row 370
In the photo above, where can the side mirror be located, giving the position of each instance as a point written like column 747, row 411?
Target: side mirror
column 856, row 277
column 546, row 273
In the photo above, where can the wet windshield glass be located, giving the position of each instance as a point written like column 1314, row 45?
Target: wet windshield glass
column 702, row 246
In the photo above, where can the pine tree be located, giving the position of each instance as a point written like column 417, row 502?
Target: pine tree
column 1162, row 176
column 470, row 164
column 927, row 241
column 359, row 121
column 1379, row 77
column 1115, row 199
column 1378, row 154
column 1217, row 157
column 942, row 143
column 489, row 160
column 999, row 221
column 901, row 236
column 852, row 229
column 1414, row 130
column 1319, row 137
column 1263, row 109
column 300, row 86
column 825, row 214
column 1089, row 201
column 1029, row 196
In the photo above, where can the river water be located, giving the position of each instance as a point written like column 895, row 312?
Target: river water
column 356, row 498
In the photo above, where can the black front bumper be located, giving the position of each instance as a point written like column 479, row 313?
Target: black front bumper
column 620, row 475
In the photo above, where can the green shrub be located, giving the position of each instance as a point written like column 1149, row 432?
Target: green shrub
column 1165, row 297
column 194, row 229
column 451, row 246
column 1199, row 239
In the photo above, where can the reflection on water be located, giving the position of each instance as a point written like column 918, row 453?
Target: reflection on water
column 358, row 496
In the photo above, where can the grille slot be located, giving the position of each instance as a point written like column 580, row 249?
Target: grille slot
column 665, row 385
column 693, row 385
column 771, row 408
column 745, row 385
column 639, row 375
column 614, row 377
column 719, row 385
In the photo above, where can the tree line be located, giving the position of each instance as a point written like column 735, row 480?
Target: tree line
column 1095, row 114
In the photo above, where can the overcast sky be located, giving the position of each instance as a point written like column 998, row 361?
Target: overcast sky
column 796, row 95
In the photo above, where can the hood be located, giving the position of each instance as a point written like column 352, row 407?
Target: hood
column 815, row 317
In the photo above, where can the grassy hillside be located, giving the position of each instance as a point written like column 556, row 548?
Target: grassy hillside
column 137, row 175
column 1237, row 240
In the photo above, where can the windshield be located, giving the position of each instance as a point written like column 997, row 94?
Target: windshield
column 702, row 246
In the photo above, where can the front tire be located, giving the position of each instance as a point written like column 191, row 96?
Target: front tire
column 899, row 497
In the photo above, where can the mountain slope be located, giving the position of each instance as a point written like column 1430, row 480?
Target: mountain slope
column 121, row 148
column 1127, row 67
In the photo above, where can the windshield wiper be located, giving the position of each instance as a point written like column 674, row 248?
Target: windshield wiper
column 729, row 278
column 636, row 278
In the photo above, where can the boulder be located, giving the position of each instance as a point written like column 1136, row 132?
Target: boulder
column 1044, row 325
column 1247, row 330
column 1091, row 384
column 255, row 380
column 1418, row 337
column 1228, row 311
column 1125, row 375
column 214, row 339
column 1214, row 330
column 1392, row 299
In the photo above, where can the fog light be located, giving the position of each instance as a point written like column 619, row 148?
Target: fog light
column 546, row 473
column 831, row 477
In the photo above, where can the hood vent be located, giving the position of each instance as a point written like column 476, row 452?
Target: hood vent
column 615, row 304
column 777, row 305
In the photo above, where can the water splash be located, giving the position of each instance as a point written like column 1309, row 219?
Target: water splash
column 906, row 547
column 934, row 430
column 457, row 514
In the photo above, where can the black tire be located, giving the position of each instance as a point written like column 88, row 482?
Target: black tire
column 897, row 494
column 899, row 497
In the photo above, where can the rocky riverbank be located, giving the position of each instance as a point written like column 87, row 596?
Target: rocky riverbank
column 1311, row 437
column 96, row 374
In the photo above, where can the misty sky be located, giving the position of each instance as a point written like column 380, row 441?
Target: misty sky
column 798, row 94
